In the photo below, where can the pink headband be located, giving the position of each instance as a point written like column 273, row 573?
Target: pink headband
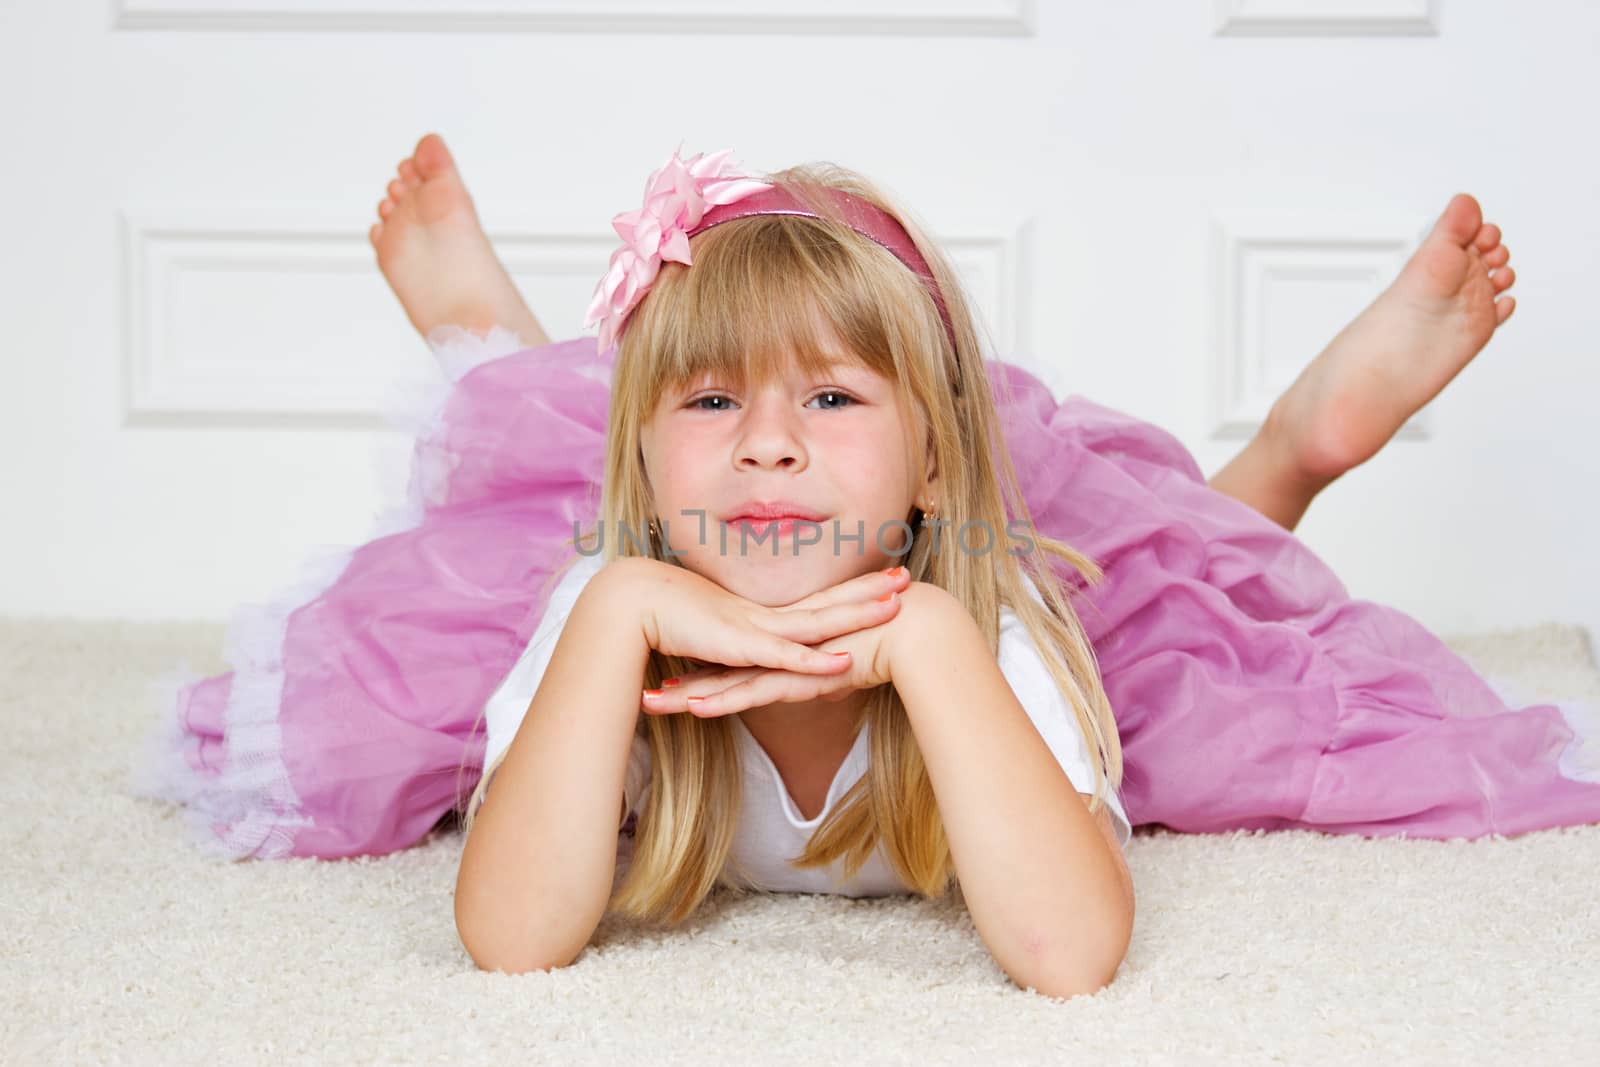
column 686, row 197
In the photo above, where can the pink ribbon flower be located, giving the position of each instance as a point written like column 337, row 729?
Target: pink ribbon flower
column 676, row 197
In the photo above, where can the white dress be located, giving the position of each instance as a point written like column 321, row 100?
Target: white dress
column 771, row 830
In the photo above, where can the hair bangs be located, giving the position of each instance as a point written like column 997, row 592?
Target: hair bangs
column 765, row 294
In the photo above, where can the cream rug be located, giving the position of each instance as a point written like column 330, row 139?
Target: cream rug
column 121, row 945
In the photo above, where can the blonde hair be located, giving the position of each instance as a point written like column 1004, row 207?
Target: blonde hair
column 757, row 293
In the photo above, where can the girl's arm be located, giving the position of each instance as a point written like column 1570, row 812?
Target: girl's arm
column 537, row 869
column 1047, row 889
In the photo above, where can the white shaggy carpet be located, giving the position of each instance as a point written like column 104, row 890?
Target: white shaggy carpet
column 121, row 945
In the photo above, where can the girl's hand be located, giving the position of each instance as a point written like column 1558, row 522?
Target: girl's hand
column 683, row 614
column 719, row 690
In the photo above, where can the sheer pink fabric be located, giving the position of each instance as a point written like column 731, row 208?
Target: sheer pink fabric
column 1250, row 690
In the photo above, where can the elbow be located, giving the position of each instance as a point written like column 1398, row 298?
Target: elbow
column 1077, row 981
column 492, row 950
column 1083, row 977
column 492, row 967
column 515, row 939
column 1086, row 965
column 495, row 958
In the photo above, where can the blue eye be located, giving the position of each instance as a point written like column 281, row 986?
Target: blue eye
column 835, row 393
column 699, row 402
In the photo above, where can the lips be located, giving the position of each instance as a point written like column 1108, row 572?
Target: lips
column 770, row 510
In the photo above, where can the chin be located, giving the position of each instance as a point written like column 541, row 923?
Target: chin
column 773, row 581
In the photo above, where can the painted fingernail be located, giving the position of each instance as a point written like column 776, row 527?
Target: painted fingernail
column 670, row 682
column 841, row 655
column 694, row 700
column 895, row 572
column 885, row 598
column 652, row 692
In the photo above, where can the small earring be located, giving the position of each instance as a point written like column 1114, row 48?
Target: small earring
column 655, row 528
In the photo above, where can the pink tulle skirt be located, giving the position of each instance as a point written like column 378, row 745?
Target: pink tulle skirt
column 1251, row 691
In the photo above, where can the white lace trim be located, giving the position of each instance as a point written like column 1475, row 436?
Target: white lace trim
column 250, row 808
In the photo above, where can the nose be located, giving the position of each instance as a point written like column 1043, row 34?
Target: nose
column 771, row 434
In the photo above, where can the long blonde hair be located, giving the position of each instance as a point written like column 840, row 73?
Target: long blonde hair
column 753, row 300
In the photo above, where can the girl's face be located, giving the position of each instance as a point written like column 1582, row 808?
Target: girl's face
column 835, row 448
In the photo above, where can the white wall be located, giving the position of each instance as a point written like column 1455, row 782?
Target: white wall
column 199, row 339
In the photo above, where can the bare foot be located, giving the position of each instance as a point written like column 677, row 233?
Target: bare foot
column 435, row 255
column 1401, row 351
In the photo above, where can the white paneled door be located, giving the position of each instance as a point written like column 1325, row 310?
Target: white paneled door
column 1169, row 207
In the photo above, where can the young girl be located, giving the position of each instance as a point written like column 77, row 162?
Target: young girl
column 814, row 364
column 763, row 359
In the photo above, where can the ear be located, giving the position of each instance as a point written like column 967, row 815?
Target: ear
column 930, row 475
column 643, row 466
column 930, row 464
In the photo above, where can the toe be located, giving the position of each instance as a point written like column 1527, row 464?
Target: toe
column 1502, row 278
column 408, row 173
column 384, row 208
column 1487, row 237
column 432, row 157
column 1461, row 220
column 375, row 234
column 1504, row 307
column 1496, row 257
column 396, row 190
